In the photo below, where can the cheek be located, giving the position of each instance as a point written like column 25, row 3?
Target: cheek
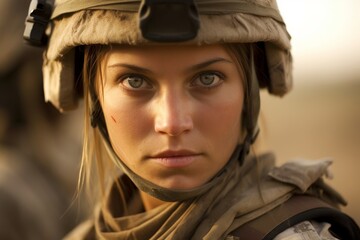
column 222, row 117
column 127, row 125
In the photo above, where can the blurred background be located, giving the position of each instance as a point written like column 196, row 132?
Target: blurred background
column 40, row 149
column 320, row 117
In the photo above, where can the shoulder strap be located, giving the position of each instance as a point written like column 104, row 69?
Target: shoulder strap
column 297, row 209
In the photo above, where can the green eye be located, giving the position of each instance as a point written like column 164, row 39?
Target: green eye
column 207, row 80
column 135, row 82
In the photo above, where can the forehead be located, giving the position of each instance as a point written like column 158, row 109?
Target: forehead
column 166, row 53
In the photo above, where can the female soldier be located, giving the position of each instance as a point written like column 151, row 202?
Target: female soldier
column 172, row 91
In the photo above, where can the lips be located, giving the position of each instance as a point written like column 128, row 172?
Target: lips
column 175, row 159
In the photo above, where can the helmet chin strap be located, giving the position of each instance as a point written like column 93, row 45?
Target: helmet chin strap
column 164, row 194
column 251, row 115
column 252, row 108
column 173, row 195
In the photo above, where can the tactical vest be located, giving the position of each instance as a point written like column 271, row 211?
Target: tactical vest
column 297, row 209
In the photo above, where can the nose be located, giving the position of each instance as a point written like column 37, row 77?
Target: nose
column 173, row 114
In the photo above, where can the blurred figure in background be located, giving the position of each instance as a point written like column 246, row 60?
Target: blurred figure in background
column 39, row 152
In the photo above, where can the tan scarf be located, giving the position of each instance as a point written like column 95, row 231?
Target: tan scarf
column 234, row 200
column 242, row 193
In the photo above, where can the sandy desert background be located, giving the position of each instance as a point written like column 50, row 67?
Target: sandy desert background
column 319, row 121
column 320, row 117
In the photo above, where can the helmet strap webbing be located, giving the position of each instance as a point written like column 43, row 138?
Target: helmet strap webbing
column 164, row 194
column 252, row 109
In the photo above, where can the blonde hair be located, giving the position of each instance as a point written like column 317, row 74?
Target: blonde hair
column 96, row 162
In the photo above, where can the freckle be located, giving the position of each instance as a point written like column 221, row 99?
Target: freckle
column 113, row 119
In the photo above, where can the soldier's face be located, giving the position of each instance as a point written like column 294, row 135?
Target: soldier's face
column 173, row 112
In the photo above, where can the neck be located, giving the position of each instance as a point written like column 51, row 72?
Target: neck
column 149, row 201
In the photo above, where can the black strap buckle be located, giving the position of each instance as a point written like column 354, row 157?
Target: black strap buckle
column 169, row 20
column 36, row 22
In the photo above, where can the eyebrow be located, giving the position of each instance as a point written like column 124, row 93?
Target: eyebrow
column 131, row 67
column 192, row 68
column 208, row 63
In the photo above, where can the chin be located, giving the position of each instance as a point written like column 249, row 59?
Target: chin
column 179, row 183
